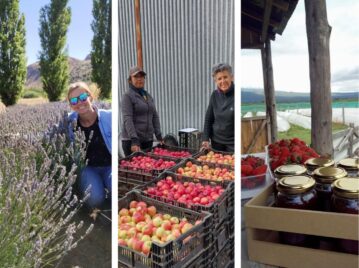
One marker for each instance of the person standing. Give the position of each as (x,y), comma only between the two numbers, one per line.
(218,131)
(140,118)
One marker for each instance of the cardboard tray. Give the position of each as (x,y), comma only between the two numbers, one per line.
(264,221)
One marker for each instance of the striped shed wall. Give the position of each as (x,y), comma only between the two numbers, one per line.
(181,41)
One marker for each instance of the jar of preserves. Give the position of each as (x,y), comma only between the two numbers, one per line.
(345,199)
(289,170)
(324,178)
(351,166)
(296,192)
(313,163)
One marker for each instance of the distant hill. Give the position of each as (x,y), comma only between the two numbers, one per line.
(79,70)
(256,95)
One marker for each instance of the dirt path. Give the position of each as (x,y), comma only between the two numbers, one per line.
(95,250)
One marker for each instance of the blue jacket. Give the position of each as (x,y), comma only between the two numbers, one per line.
(104,122)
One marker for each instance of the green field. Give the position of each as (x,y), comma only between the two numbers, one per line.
(304,134)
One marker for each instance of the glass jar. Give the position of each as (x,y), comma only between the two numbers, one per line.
(324,178)
(314,163)
(345,199)
(351,166)
(296,192)
(289,170)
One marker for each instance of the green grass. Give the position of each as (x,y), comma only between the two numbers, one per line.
(305,134)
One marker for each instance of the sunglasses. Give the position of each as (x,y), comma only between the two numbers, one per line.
(82,97)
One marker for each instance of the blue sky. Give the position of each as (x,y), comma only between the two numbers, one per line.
(290,52)
(79,34)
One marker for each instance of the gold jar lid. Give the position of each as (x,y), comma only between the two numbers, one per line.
(319,162)
(349,163)
(329,174)
(290,169)
(346,187)
(295,184)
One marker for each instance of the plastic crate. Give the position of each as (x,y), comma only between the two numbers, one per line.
(206,151)
(139,175)
(175,149)
(191,139)
(174,253)
(202,260)
(225,258)
(126,185)
(218,208)
(196,162)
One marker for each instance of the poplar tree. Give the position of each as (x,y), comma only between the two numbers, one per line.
(101,46)
(12,52)
(54,21)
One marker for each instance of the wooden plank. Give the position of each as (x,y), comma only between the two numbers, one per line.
(255,138)
(340,134)
(258,16)
(318,35)
(138,34)
(281,4)
(248,130)
(266,19)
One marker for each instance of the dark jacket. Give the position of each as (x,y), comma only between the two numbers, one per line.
(219,120)
(140,117)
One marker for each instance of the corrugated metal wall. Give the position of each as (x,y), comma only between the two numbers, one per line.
(181,40)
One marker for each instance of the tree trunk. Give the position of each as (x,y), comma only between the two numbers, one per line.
(269,90)
(318,34)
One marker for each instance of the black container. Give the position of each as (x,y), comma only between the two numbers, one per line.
(177,253)
(219,208)
(192,152)
(206,151)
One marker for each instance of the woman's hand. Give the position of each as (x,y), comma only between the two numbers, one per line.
(135,148)
(205,145)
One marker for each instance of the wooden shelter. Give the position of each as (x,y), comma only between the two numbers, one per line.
(261,21)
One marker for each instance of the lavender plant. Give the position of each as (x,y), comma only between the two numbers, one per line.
(38,168)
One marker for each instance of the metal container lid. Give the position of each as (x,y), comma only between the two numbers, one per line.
(349,163)
(295,184)
(329,174)
(319,162)
(346,187)
(290,169)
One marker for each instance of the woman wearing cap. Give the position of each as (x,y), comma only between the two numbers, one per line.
(140,117)
(218,129)
(96,123)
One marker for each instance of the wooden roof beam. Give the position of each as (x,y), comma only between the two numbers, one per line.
(266,18)
(258,16)
(281,4)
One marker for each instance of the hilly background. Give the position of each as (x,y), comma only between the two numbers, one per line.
(80,70)
(256,95)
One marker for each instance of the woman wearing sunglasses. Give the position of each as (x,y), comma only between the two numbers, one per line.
(140,117)
(95,123)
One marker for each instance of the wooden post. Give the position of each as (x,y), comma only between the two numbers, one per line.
(343,112)
(138,34)
(269,89)
(351,141)
(318,34)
